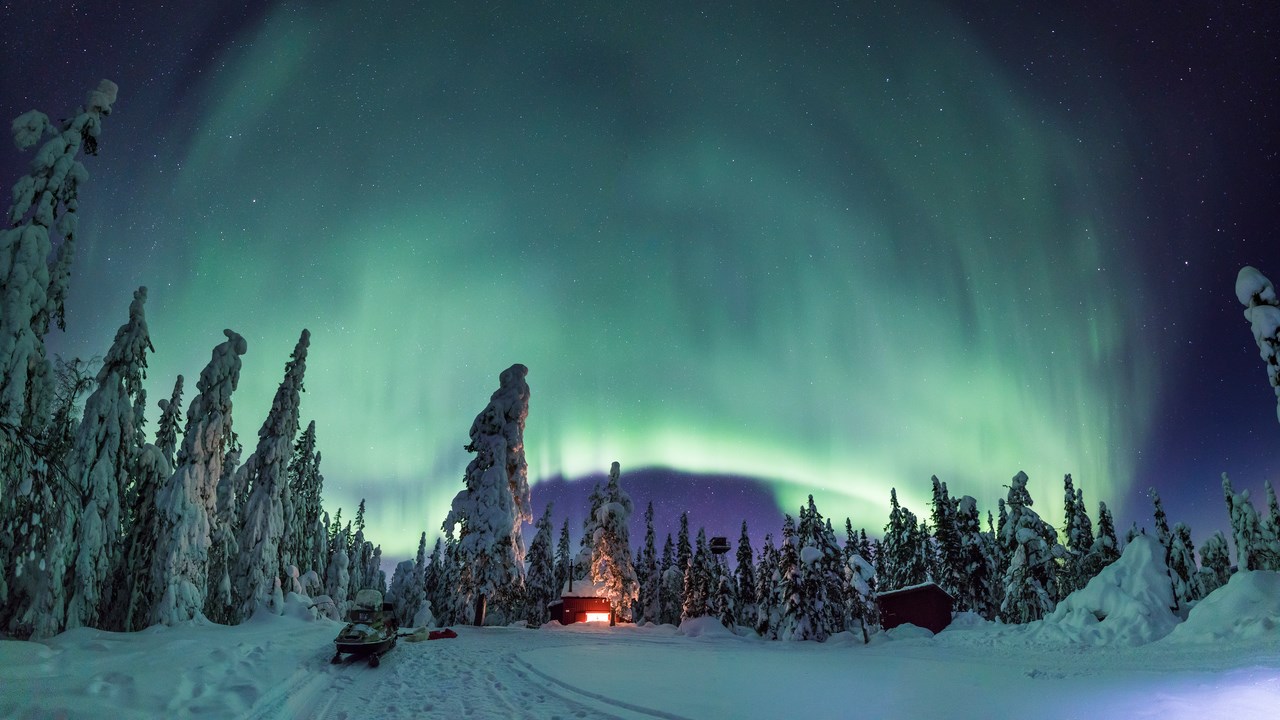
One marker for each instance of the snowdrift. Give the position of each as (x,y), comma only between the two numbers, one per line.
(1246,608)
(1128,603)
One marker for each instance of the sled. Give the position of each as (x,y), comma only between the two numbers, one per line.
(371,629)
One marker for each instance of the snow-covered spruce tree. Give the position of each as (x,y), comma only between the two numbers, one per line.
(167,428)
(133,589)
(305,485)
(358,554)
(337,576)
(105,450)
(903,552)
(45,201)
(669,598)
(258,567)
(1215,564)
(1079,545)
(1262,310)
(947,539)
(436,584)
(1182,566)
(37,515)
(1254,550)
(1031,544)
(650,572)
(745,580)
(1069,573)
(495,502)
(797,614)
(219,602)
(186,502)
(540,578)
(401,580)
(564,558)
(1164,535)
(975,592)
(611,564)
(1105,549)
(698,574)
(766,580)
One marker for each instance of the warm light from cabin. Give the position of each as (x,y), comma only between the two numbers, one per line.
(597,617)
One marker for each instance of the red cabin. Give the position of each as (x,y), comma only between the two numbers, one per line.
(580,602)
(926,605)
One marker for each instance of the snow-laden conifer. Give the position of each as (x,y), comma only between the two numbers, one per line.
(167,427)
(699,580)
(186,502)
(902,561)
(258,565)
(134,594)
(305,483)
(671,591)
(102,458)
(1182,566)
(650,573)
(219,601)
(495,501)
(947,539)
(1215,564)
(337,577)
(611,564)
(44,205)
(1262,310)
(1031,544)
(1105,549)
(564,557)
(745,580)
(976,591)
(540,580)
(766,598)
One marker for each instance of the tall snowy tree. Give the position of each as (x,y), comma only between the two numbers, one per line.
(495,501)
(1031,544)
(950,565)
(611,565)
(671,592)
(564,558)
(766,581)
(1215,564)
(106,447)
(305,485)
(650,573)
(45,204)
(903,551)
(1105,549)
(338,576)
(1182,566)
(258,567)
(1254,550)
(134,592)
(167,428)
(179,572)
(37,510)
(745,580)
(976,591)
(219,602)
(699,580)
(540,579)
(1262,310)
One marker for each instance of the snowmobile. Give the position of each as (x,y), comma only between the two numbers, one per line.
(371,629)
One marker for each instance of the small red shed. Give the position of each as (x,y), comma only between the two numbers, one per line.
(580,602)
(925,605)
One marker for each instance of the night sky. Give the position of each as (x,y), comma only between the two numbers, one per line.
(756,252)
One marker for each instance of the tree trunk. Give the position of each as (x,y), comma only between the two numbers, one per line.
(481,602)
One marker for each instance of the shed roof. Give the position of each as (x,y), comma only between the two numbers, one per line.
(911,589)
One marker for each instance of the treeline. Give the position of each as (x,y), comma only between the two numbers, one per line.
(98,526)
(1012,566)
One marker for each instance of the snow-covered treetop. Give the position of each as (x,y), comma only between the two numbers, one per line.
(1253,288)
(128,354)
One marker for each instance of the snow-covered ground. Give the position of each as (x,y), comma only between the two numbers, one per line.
(1222,662)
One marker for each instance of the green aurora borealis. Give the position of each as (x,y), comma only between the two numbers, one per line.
(837,265)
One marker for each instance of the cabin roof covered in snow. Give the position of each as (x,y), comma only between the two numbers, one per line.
(583,588)
(914,589)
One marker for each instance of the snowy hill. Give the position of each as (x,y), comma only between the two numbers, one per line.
(278,667)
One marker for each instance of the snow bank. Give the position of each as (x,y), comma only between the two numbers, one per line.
(705,626)
(1247,607)
(1128,603)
